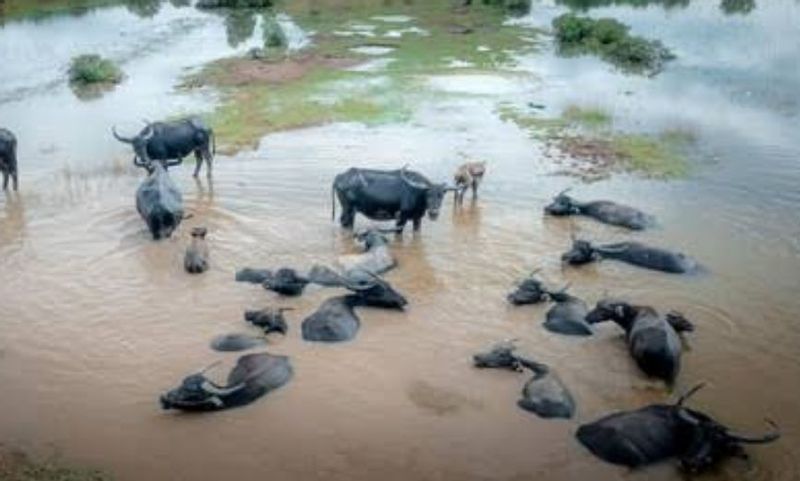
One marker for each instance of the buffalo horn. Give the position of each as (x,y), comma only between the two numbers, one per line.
(127,140)
(767,438)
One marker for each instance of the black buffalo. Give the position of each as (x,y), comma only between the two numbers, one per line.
(602,210)
(568,315)
(8,158)
(236,342)
(254,376)
(636,253)
(399,195)
(653,340)
(159,202)
(269,319)
(662,431)
(165,141)
(530,291)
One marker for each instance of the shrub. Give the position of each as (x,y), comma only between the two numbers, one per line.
(93,69)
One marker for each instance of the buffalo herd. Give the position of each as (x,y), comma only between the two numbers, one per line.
(634,438)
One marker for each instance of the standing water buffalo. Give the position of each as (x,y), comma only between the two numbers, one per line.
(468,175)
(253,376)
(399,195)
(159,202)
(602,210)
(653,341)
(638,254)
(164,141)
(8,157)
(661,431)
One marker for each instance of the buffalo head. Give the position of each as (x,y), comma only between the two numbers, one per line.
(197,393)
(434,193)
(582,252)
(377,293)
(562,205)
(611,310)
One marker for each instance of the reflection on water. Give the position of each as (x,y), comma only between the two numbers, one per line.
(97,319)
(729,7)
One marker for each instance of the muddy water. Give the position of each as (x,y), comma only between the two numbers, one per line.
(97,319)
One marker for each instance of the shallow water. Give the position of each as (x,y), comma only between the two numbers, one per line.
(97,319)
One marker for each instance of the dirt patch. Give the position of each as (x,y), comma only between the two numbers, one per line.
(17,466)
(437,400)
(243,71)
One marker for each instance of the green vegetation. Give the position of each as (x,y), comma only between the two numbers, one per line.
(585,134)
(516,6)
(85,70)
(274,36)
(15,466)
(609,39)
(315,86)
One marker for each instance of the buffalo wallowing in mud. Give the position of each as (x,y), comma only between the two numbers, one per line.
(376,259)
(653,340)
(399,195)
(269,319)
(8,158)
(635,253)
(544,394)
(253,376)
(659,432)
(602,210)
(165,141)
(159,202)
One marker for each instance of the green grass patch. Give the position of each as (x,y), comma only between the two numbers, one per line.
(589,117)
(610,40)
(653,156)
(16,466)
(38,9)
(93,69)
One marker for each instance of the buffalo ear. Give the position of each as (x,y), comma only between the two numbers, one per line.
(619,311)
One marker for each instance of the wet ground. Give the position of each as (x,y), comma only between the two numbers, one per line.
(97,319)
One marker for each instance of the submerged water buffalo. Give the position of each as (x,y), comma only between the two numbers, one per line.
(165,141)
(195,261)
(653,341)
(469,174)
(529,291)
(253,276)
(334,321)
(159,202)
(602,210)
(286,282)
(638,254)
(662,431)
(376,260)
(8,158)
(568,316)
(399,195)
(269,319)
(254,376)
(544,394)
(236,342)
(370,289)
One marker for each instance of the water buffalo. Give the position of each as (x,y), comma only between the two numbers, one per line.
(159,202)
(195,260)
(286,282)
(254,376)
(653,341)
(529,291)
(661,431)
(165,141)
(371,292)
(376,260)
(236,342)
(8,157)
(253,276)
(469,174)
(635,253)
(544,394)
(399,195)
(269,319)
(602,210)
(334,321)
(568,315)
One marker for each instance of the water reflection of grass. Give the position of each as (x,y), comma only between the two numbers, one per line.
(428,43)
(586,135)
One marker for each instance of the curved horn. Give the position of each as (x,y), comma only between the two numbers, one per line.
(767,438)
(212,388)
(691,392)
(410,182)
(564,191)
(148,133)
(564,289)
(127,140)
(684,415)
(535,271)
(206,369)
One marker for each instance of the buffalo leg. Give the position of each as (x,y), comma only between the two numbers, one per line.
(209,160)
(417,223)
(401,223)
(5,180)
(199,158)
(474,189)
(14,179)
(348,217)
